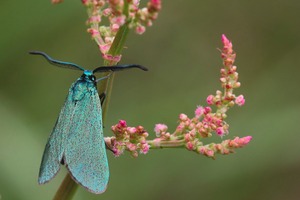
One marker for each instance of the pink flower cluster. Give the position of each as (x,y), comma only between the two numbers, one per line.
(224,147)
(190,132)
(118,13)
(132,139)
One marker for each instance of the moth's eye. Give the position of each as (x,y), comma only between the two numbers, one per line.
(92,78)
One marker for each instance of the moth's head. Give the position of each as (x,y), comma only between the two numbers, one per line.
(88,76)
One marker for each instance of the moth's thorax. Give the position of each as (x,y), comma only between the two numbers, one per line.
(85,84)
(88,76)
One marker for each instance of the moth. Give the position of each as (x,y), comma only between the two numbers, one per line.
(77,138)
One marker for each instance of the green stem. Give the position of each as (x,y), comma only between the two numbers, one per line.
(115,49)
(68,187)
(159,144)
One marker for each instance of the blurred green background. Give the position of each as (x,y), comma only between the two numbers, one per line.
(181,52)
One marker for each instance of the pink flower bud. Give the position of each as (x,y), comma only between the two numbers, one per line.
(240,100)
(210,99)
(183,117)
(227,44)
(111,58)
(131,147)
(199,111)
(120,20)
(190,146)
(207,110)
(180,128)
(220,131)
(245,140)
(239,142)
(140,29)
(104,48)
(159,128)
(95,19)
(131,130)
(122,123)
(93,32)
(106,11)
(115,28)
(145,148)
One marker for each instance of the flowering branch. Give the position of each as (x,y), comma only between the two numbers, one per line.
(190,131)
(121,15)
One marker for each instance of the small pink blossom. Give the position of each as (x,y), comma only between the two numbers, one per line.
(106,11)
(120,20)
(123,123)
(239,142)
(207,110)
(206,151)
(118,148)
(104,48)
(95,19)
(243,141)
(140,29)
(188,137)
(183,117)
(115,28)
(180,128)
(220,131)
(144,148)
(237,85)
(131,130)
(199,111)
(227,44)
(111,58)
(190,146)
(240,100)
(246,139)
(131,147)
(210,153)
(159,128)
(93,32)
(210,99)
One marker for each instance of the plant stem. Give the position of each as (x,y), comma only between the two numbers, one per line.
(67,189)
(159,144)
(115,49)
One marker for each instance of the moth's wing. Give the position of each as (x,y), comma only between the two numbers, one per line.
(85,150)
(53,153)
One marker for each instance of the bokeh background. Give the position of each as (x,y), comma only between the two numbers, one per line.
(181,52)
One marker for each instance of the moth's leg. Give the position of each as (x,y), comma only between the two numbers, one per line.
(102,98)
(107,147)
